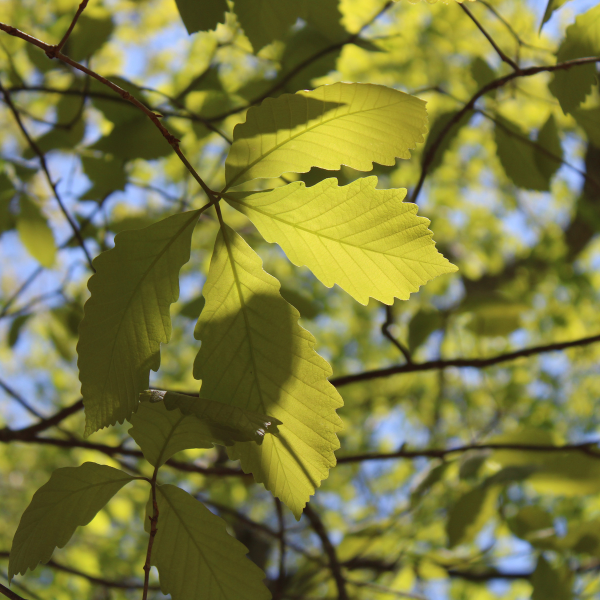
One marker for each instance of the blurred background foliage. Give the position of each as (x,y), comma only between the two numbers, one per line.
(513,194)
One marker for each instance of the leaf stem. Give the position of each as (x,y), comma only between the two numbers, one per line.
(153,530)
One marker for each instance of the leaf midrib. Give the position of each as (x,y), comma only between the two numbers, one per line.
(293,137)
(318,234)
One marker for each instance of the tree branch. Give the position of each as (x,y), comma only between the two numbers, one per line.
(36,149)
(493,85)
(334,565)
(153,530)
(389,320)
(9,593)
(586,448)
(461,363)
(280,583)
(489,38)
(62,42)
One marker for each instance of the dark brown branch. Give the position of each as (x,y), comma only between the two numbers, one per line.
(334,564)
(9,593)
(586,448)
(493,85)
(36,149)
(44,424)
(15,396)
(52,52)
(62,42)
(389,320)
(490,39)
(280,583)
(461,363)
(109,583)
(153,530)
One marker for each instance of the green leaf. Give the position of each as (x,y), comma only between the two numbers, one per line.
(436,129)
(7,191)
(421,326)
(366,240)
(223,423)
(548,140)
(550,8)
(325,17)
(107,175)
(483,74)
(517,155)
(550,582)
(71,498)
(255,356)
(470,513)
(35,233)
(15,329)
(352,124)
(111,104)
(533,524)
(161,433)
(203,16)
(89,35)
(433,476)
(307,307)
(138,138)
(127,317)
(589,120)
(193,308)
(571,86)
(59,138)
(266,20)
(195,556)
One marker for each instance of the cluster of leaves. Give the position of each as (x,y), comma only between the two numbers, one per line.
(265,392)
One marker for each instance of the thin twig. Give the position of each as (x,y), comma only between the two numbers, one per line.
(334,564)
(36,149)
(477,363)
(16,396)
(62,42)
(489,38)
(389,320)
(9,593)
(493,85)
(280,583)
(587,448)
(153,530)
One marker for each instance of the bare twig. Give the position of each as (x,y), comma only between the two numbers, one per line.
(587,448)
(16,396)
(153,530)
(334,564)
(493,85)
(389,320)
(280,584)
(36,149)
(461,363)
(9,593)
(62,42)
(489,38)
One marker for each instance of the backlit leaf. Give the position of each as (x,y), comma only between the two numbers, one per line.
(201,16)
(34,232)
(548,146)
(69,500)
(255,356)
(366,240)
(161,433)
(351,124)
(223,423)
(89,35)
(571,86)
(470,513)
(589,120)
(551,582)
(107,175)
(266,20)
(127,317)
(517,155)
(550,8)
(195,556)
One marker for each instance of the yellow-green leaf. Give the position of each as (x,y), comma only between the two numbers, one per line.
(195,556)
(255,356)
(127,317)
(571,86)
(353,124)
(366,240)
(70,499)
(34,232)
